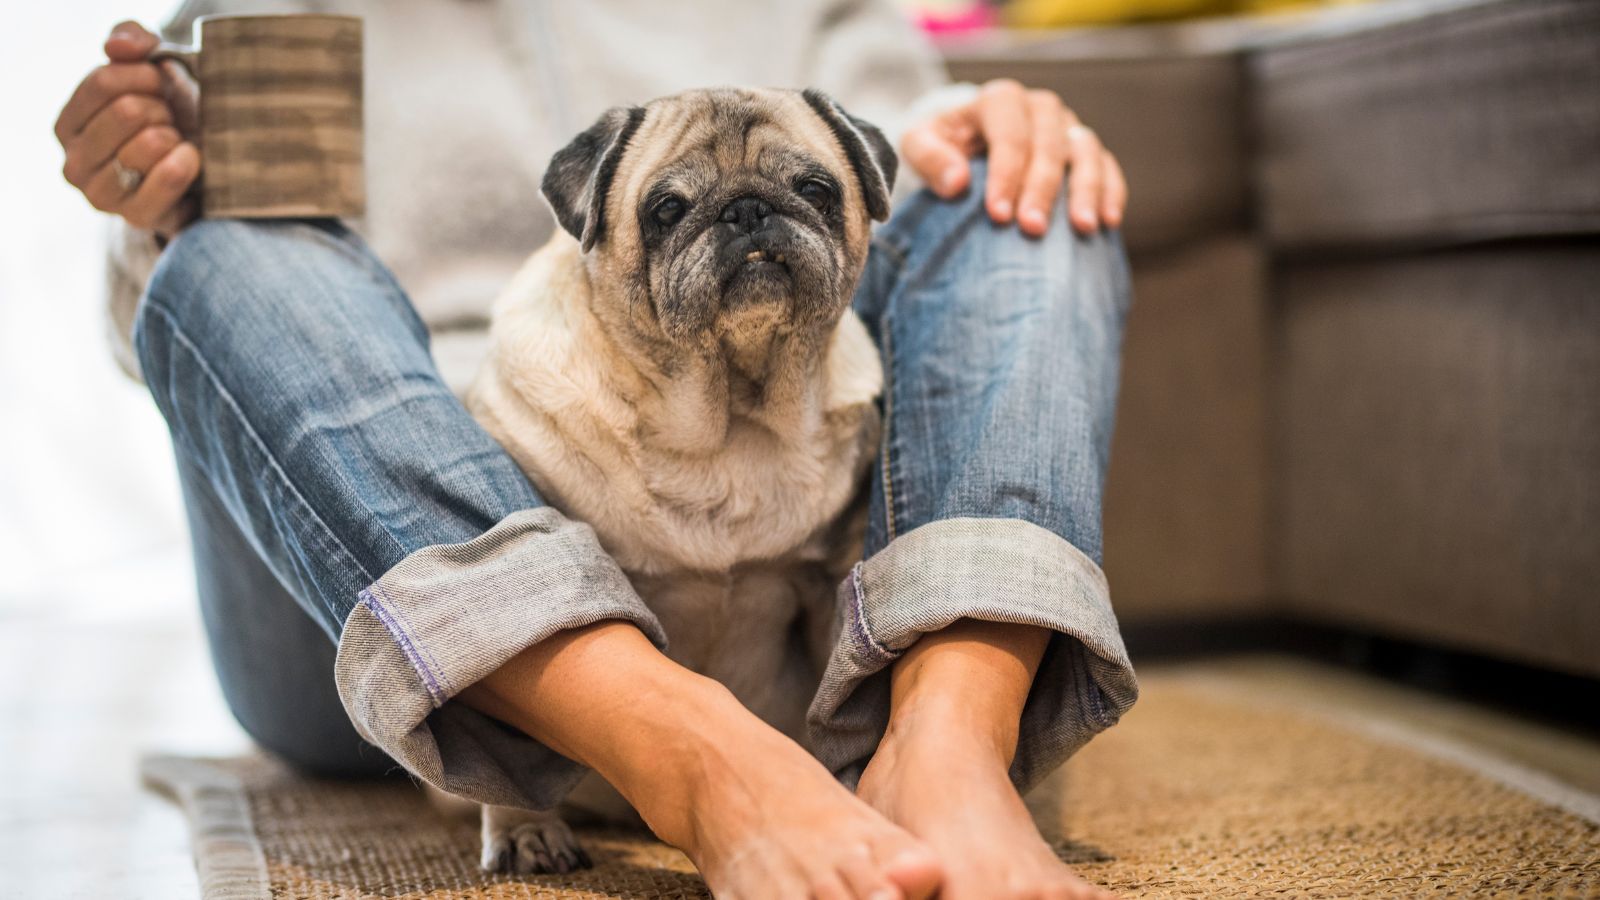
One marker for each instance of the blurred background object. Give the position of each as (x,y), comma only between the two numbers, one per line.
(101,652)
(957,16)
(1361,383)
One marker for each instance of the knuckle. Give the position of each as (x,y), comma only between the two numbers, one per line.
(1004,86)
(128,110)
(155,140)
(169,178)
(72,169)
(176,172)
(102,79)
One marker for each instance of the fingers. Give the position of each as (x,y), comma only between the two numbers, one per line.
(169,166)
(1086,179)
(119,116)
(1034,144)
(1114,200)
(939,160)
(116,124)
(1003,115)
(1046,162)
(130,42)
(166,179)
(101,87)
(104,190)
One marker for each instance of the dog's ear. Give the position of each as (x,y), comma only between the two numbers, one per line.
(866,148)
(579,176)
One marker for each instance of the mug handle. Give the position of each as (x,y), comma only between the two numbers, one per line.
(182,54)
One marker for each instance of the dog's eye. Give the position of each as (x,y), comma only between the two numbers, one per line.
(816,193)
(668,211)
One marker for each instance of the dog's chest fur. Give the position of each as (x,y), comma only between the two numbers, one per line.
(734,525)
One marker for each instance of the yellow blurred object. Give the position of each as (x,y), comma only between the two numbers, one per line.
(1064,13)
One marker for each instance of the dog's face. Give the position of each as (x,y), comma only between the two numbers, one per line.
(713,211)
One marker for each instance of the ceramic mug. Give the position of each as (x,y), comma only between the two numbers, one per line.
(280,130)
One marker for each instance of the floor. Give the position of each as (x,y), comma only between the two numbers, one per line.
(88,680)
(89,685)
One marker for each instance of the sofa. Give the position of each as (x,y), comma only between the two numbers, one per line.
(1361,379)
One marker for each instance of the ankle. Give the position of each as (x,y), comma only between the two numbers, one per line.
(679,758)
(946,728)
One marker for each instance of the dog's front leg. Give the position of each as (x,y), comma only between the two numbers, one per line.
(525,841)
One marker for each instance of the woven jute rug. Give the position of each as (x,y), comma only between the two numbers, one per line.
(1197,793)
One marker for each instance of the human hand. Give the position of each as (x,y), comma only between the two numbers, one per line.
(124,131)
(1034,142)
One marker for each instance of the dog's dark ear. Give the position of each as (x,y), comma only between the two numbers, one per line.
(579,176)
(866,148)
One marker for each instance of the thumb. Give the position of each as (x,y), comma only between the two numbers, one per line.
(130,42)
(937,159)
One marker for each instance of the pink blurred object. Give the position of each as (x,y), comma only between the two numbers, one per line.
(960,20)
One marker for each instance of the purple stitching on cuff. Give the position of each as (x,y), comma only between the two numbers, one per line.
(404,640)
(399,614)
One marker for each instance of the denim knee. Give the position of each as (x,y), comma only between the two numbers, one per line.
(227,272)
(929,233)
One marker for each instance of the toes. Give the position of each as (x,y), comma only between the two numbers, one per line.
(829,887)
(531,855)
(547,847)
(865,877)
(497,854)
(534,848)
(911,866)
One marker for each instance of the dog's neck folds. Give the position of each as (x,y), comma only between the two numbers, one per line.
(756,371)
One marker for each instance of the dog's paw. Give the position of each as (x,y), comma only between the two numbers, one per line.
(524,842)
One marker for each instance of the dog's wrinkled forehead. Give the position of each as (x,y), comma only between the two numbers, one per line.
(728,131)
(698,136)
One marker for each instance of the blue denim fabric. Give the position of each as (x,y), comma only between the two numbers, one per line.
(311,425)
(1001,357)
(274,662)
(295,379)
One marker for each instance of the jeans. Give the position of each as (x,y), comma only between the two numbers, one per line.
(336,485)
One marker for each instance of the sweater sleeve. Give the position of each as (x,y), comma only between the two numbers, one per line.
(870,58)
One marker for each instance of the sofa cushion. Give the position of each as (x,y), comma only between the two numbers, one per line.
(1439,447)
(1186,500)
(1173,121)
(1474,123)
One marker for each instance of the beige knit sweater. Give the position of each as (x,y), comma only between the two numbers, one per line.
(466,100)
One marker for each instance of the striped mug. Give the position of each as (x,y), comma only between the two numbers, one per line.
(280,128)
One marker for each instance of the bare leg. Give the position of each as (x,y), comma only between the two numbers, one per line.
(757,814)
(956,702)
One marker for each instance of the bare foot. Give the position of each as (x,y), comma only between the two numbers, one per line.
(950,787)
(757,814)
(761,818)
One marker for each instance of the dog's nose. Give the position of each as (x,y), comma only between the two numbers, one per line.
(747,212)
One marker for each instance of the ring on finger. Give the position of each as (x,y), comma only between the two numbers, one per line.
(128,178)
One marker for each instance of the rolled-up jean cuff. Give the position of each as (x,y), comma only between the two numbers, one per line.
(448,615)
(1000,570)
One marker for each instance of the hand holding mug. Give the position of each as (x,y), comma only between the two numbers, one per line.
(272,102)
(128,132)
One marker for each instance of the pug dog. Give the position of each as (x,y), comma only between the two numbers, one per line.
(680,368)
